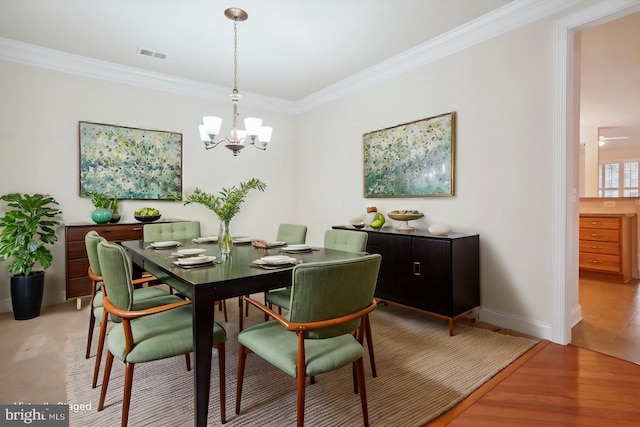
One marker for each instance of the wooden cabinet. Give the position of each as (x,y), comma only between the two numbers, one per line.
(606,243)
(78,283)
(436,274)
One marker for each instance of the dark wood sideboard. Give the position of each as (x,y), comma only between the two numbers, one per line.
(77,282)
(438,275)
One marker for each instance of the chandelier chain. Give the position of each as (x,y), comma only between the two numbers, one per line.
(235,55)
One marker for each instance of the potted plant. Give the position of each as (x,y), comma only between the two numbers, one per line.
(26,230)
(225,206)
(102,204)
(113,207)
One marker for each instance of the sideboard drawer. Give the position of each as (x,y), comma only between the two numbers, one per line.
(608,248)
(600,235)
(600,262)
(600,222)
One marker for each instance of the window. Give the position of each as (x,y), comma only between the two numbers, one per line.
(619,179)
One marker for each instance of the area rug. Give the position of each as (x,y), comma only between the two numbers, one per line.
(422,373)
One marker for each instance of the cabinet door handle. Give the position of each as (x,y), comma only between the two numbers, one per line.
(416,268)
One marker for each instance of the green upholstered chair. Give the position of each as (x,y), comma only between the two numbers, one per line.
(170,231)
(158,232)
(147,334)
(341,240)
(142,298)
(291,234)
(329,300)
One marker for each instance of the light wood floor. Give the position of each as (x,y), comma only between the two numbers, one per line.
(595,381)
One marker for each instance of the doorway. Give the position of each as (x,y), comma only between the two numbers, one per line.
(610,320)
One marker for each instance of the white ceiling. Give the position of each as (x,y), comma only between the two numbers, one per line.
(288,49)
(292,50)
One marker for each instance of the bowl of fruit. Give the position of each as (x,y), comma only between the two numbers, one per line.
(147,214)
(404,216)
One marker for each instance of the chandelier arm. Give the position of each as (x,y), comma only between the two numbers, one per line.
(208,145)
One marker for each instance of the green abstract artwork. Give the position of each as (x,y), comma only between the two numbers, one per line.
(412,159)
(130,163)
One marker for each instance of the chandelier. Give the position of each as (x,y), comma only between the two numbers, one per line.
(254,133)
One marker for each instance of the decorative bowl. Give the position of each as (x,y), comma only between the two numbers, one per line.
(404,218)
(149,218)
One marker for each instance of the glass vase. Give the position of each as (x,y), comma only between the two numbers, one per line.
(225,242)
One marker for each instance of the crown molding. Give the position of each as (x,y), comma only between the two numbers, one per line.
(509,17)
(504,19)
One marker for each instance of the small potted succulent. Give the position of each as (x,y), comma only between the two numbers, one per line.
(26,230)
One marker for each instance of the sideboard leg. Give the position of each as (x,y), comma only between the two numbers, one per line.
(78,303)
(450,326)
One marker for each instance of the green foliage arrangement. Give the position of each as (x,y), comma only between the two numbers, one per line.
(26,230)
(100,200)
(227,204)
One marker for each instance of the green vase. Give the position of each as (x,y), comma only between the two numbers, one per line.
(225,242)
(101,215)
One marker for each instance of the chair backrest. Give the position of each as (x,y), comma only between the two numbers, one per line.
(91,240)
(293,234)
(346,240)
(116,274)
(170,231)
(331,289)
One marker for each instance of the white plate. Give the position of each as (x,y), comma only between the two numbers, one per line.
(191,251)
(242,240)
(275,258)
(195,260)
(167,244)
(300,247)
(205,239)
(281,260)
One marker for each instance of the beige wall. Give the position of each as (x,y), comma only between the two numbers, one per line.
(39,114)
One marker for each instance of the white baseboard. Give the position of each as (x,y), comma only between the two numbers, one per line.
(509,321)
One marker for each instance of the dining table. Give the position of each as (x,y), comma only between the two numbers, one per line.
(235,274)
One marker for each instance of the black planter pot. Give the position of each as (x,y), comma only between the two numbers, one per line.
(26,295)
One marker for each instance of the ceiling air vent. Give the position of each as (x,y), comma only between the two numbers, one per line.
(151,53)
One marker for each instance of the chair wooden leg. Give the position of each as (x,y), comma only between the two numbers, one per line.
(188,360)
(242,356)
(101,338)
(105,381)
(222,306)
(126,398)
(223,383)
(246,310)
(363,392)
(92,325)
(367,331)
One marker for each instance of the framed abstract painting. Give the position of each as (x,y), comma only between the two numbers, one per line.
(130,163)
(413,159)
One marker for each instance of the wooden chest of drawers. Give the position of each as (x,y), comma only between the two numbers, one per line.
(606,246)
(77,282)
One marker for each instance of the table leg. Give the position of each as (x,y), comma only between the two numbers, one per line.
(203,304)
(240,310)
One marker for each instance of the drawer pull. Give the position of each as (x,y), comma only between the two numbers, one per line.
(593,261)
(596,235)
(595,222)
(416,268)
(596,247)
(107,230)
(137,228)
